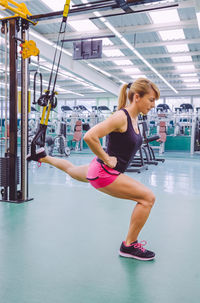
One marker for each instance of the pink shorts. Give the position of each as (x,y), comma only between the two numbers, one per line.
(100,175)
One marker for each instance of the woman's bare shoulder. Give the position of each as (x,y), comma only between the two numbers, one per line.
(120,114)
(120,119)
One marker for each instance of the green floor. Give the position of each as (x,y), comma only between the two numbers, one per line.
(62,247)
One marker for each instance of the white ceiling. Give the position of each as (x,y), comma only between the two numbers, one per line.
(161,43)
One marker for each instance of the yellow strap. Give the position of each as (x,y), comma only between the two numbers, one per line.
(43,115)
(66,8)
(47,116)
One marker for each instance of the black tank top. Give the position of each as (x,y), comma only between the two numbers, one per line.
(124,145)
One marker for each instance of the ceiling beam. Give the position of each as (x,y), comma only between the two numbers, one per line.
(158,65)
(156,44)
(127,30)
(152,56)
(77,68)
(88,15)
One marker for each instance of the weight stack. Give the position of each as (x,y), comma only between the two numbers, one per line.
(5,171)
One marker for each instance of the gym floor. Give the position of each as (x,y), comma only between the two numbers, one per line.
(63,246)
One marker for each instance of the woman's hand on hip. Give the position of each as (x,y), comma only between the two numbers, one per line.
(111,162)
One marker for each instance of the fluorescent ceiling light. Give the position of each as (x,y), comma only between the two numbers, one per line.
(97,89)
(47,64)
(185,67)
(122,62)
(83,25)
(100,70)
(35,59)
(158,2)
(177,48)
(56,5)
(174,34)
(113,53)
(193,85)
(61,89)
(188,75)
(129,45)
(190,80)
(106,42)
(45,68)
(97,14)
(74,78)
(138,76)
(198,19)
(182,59)
(166,16)
(132,70)
(112,29)
(108,24)
(40,37)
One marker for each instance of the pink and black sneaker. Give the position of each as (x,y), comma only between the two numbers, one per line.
(136,251)
(40,153)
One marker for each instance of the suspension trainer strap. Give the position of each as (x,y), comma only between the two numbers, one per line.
(48,100)
(36,75)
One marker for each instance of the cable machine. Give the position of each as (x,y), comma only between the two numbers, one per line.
(13,165)
(14,175)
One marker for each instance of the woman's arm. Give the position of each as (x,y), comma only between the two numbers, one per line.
(114,123)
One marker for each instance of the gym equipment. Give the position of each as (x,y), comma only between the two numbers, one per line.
(137,164)
(77,137)
(186,107)
(104,110)
(15,171)
(163,136)
(20,10)
(58,144)
(145,155)
(162,108)
(49,100)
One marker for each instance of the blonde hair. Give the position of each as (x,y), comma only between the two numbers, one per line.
(141,86)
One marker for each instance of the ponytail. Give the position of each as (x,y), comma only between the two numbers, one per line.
(122,101)
(141,86)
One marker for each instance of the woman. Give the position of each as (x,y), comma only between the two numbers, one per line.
(106,171)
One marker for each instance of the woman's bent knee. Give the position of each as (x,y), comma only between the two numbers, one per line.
(148,200)
(151,198)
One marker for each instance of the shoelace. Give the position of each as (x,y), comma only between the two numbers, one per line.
(39,163)
(140,245)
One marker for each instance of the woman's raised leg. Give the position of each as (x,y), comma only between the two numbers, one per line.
(76,172)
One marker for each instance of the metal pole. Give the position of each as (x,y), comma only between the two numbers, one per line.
(192,139)
(24,121)
(5,195)
(13,110)
(6,91)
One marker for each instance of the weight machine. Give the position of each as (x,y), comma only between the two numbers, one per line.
(14,175)
(14,172)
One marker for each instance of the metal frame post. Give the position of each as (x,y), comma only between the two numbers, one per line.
(13,110)
(24,118)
